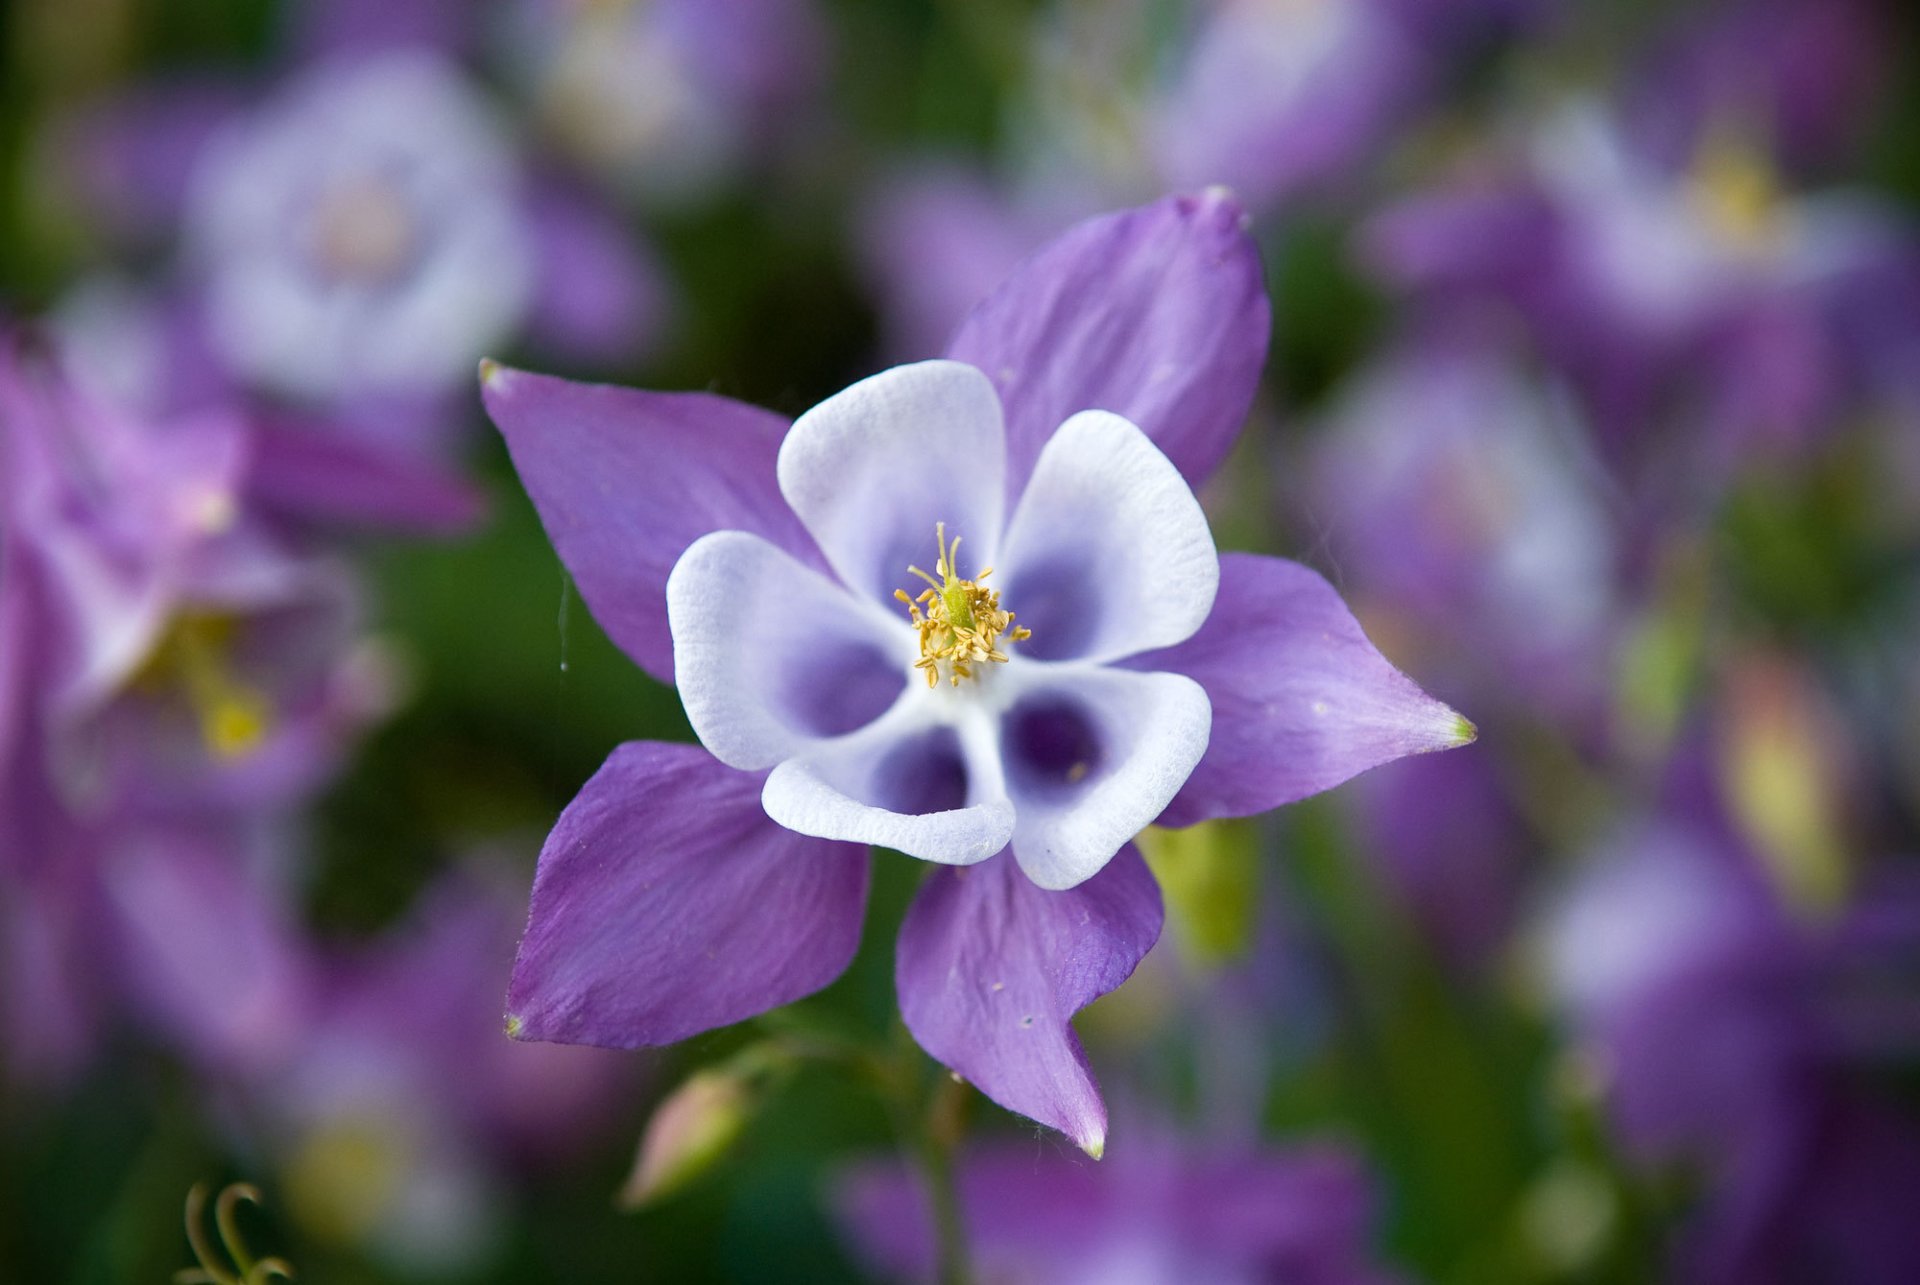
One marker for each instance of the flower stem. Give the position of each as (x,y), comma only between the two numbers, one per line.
(940,1134)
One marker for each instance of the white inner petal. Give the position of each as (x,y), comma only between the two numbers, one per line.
(873,469)
(1091,757)
(915,781)
(1108,553)
(770,656)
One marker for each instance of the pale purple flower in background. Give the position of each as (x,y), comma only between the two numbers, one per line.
(755,566)
(1280,101)
(1457,489)
(399,1122)
(1734,1033)
(1163,1212)
(349,243)
(362,232)
(185,657)
(1274,96)
(1695,287)
(666,100)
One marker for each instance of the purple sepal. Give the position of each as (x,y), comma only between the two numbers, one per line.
(625,480)
(311,475)
(1158,314)
(1301,700)
(991,968)
(666,904)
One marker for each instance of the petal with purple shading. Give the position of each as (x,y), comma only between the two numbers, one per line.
(1108,553)
(1092,756)
(1158,314)
(991,968)
(770,655)
(908,782)
(626,480)
(874,470)
(1301,700)
(666,903)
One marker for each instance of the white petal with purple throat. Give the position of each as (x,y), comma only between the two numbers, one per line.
(770,655)
(927,788)
(872,470)
(1108,553)
(1092,755)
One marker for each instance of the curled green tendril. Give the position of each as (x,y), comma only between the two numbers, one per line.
(244,1270)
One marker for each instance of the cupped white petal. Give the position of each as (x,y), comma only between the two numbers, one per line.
(873,469)
(1108,552)
(928,788)
(1091,756)
(771,656)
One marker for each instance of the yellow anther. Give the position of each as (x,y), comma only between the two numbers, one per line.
(194,658)
(959,621)
(1738,191)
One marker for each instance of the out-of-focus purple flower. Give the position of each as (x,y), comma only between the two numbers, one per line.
(170,675)
(1161,1213)
(351,244)
(1694,288)
(186,657)
(1277,101)
(1728,1032)
(1275,95)
(667,99)
(361,232)
(1457,490)
(398,1119)
(1451,847)
(756,566)
(1806,73)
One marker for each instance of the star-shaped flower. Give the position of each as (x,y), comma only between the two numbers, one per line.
(1078,663)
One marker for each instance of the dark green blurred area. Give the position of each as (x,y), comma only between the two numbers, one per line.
(1451,1087)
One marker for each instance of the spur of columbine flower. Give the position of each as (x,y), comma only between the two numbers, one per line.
(1122,673)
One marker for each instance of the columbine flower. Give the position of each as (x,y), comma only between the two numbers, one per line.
(756,566)
(1737,1038)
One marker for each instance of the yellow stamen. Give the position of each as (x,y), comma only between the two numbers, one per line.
(1738,191)
(960,622)
(194,658)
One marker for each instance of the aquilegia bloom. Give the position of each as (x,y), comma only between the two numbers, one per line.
(1015,728)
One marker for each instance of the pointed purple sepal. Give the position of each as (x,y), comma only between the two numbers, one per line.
(666,904)
(1158,314)
(625,480)
(1301,700)
(991,968)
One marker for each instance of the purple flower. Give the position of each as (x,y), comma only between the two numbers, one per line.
(350,244)
(1698,290)
(667,99)
(1733,1033)
(1459,492)
(756,565)
(1275,97)
(398,1117)
(1163,1213)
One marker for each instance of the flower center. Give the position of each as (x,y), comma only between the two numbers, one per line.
(1738,193)
(959,621)
(364,231)
(194,657)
